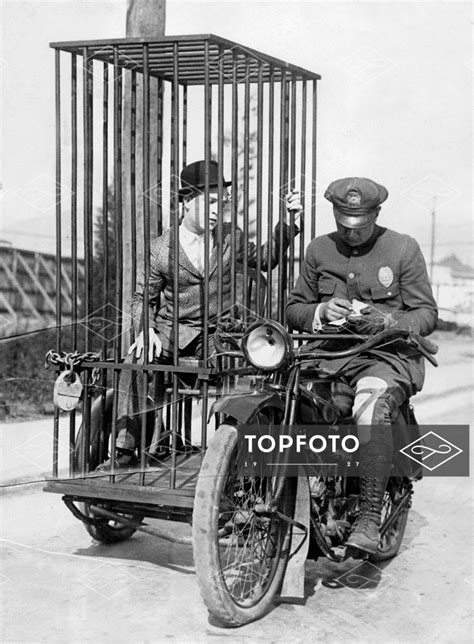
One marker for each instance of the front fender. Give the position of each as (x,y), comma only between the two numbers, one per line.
(243,407)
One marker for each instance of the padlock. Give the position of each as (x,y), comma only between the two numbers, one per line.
(67,391)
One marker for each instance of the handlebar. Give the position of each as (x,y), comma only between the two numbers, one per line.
(424,346)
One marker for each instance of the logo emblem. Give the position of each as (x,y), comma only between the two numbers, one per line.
(431,451)
(365,577)
(385,276)
(353,198)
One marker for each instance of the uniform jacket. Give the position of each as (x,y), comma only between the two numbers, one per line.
(388,271)
(191,283)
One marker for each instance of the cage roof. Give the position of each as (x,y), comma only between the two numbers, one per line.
(234,61)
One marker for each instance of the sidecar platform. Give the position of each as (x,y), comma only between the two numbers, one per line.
(149,487)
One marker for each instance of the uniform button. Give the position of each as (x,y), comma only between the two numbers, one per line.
(351,276)
(389,293)
(355,251)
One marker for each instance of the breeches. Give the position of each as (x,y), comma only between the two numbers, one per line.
(379,390)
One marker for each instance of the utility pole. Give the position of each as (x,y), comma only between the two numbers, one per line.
(145,19)
(433,229)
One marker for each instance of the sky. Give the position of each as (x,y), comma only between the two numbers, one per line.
(395,99)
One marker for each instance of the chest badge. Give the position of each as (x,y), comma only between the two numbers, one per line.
(385,276)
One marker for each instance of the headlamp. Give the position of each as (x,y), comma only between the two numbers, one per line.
(267,346)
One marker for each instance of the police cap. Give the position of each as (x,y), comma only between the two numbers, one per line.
(355,200)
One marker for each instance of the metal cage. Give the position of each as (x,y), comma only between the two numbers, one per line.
(130,114)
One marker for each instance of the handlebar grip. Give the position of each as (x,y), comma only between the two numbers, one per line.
(428,345)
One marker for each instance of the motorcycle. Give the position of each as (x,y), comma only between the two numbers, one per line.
(253,532)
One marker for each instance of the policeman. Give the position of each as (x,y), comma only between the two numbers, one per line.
(386,271)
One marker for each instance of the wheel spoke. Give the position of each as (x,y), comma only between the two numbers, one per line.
(251,543)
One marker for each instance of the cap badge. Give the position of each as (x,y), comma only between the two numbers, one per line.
(353,198)
(385,276)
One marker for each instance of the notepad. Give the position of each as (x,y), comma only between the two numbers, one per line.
(357,308)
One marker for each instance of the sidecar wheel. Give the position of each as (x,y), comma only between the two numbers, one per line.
(240,554)
(109,531)
(390,542)
(100,430)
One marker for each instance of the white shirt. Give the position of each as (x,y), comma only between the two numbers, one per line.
(317,324)
(193,246)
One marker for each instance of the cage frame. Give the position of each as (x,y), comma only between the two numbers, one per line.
(144,59)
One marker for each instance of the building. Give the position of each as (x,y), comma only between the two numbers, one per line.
(453,288)
(28,288)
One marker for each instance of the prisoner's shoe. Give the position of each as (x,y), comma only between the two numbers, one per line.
(365,535)
(122,461)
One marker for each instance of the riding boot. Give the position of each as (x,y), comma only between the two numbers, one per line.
(376,462)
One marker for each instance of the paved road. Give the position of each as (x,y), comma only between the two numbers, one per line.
(59,585)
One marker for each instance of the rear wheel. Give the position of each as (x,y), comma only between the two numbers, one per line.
(396,505)
(241,539)
(101,420)
(100,428)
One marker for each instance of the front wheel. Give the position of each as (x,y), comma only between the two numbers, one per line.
(241,539)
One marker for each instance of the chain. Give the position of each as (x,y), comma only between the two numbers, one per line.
(69,360)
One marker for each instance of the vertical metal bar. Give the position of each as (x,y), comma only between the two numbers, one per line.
(58,199)
(133,176)
(58,241)
(87,144)
(301,223)
(234,173)
(175,219)
(258,284)
(220,179)
(87,91)
(313,161)
(246,186)
(185,126)
(207,158)
(146,246)
(105,236)
(74,198)
(159,155)
(105,189)
(174,169)
(118,200)
(74,281)
(117,143)
(283,180)
(271,131)
(291,183)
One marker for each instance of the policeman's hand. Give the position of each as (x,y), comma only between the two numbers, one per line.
(293,203)
(334,309)
(380,316)
(154,345)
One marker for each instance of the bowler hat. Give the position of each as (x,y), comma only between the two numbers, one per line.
(193,178)
(355,200)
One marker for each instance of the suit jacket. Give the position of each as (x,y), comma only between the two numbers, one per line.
(388,271)
(191,283)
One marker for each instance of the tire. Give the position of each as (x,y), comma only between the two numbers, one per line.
(240,556)
(101,428)
(106,531)
(390,542)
